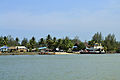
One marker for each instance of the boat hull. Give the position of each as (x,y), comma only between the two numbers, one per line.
(92,52)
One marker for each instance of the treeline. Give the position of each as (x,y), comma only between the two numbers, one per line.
(109,42)
(50,42)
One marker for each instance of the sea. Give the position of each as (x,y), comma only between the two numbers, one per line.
(60,67)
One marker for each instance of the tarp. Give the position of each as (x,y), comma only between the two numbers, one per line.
(42,48)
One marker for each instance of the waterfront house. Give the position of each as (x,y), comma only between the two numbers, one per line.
(98,46)
(12,49)
(21,48)
(4,49)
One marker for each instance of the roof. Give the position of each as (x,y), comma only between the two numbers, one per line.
(74,46)
(4,47)
(12,47)
(21,47)
(42,48)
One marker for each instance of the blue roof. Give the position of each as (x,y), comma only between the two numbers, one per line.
(4,47)
(42,48)
(74,46)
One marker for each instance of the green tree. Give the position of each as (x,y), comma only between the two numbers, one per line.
(24,42)
(97,37)
(59,43)
(49,42)
(91,43)
(49,37)
(54,43)
(80,46)
(66,44)
(110,42)
(5,40)
(11,41)
(42,42)
(17,41)
(1,41)
(32,43)
(54,39)
(76,40)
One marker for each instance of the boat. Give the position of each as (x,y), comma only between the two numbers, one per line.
(46,53)
(97,49)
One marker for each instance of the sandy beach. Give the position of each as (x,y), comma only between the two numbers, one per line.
(62,53)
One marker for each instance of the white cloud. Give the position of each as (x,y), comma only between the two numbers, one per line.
(76,20)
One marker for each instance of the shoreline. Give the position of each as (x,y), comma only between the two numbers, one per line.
(48,53)
(37,53)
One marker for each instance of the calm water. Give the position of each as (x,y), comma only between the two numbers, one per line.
(60,67)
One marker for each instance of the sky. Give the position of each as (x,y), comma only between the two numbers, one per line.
(59,18)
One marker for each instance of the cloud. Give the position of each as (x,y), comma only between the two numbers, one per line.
(76,20)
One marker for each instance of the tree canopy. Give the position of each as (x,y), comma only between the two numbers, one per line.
(109,42)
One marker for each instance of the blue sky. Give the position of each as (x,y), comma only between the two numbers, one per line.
(60,18)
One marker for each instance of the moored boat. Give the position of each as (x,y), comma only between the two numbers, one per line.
(97,49)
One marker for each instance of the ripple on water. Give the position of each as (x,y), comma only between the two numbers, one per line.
(60,67)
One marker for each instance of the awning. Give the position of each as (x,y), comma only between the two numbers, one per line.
(42,48)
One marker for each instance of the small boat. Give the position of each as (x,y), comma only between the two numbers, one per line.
(46,53)
(94,51)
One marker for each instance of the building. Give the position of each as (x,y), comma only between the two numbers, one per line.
(12,49)
(4,49)
(98,46)
(21,48)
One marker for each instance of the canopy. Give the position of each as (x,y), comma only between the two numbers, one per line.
(42,48)
(4,47)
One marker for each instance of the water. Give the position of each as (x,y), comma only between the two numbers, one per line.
(60,67)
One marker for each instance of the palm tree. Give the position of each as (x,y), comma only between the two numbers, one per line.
(42,42)
(32,42)
(5,40)
(17,41)
(24,42)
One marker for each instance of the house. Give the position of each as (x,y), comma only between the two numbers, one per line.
(4,49)
(98,46)
(21,48)
(12,49)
